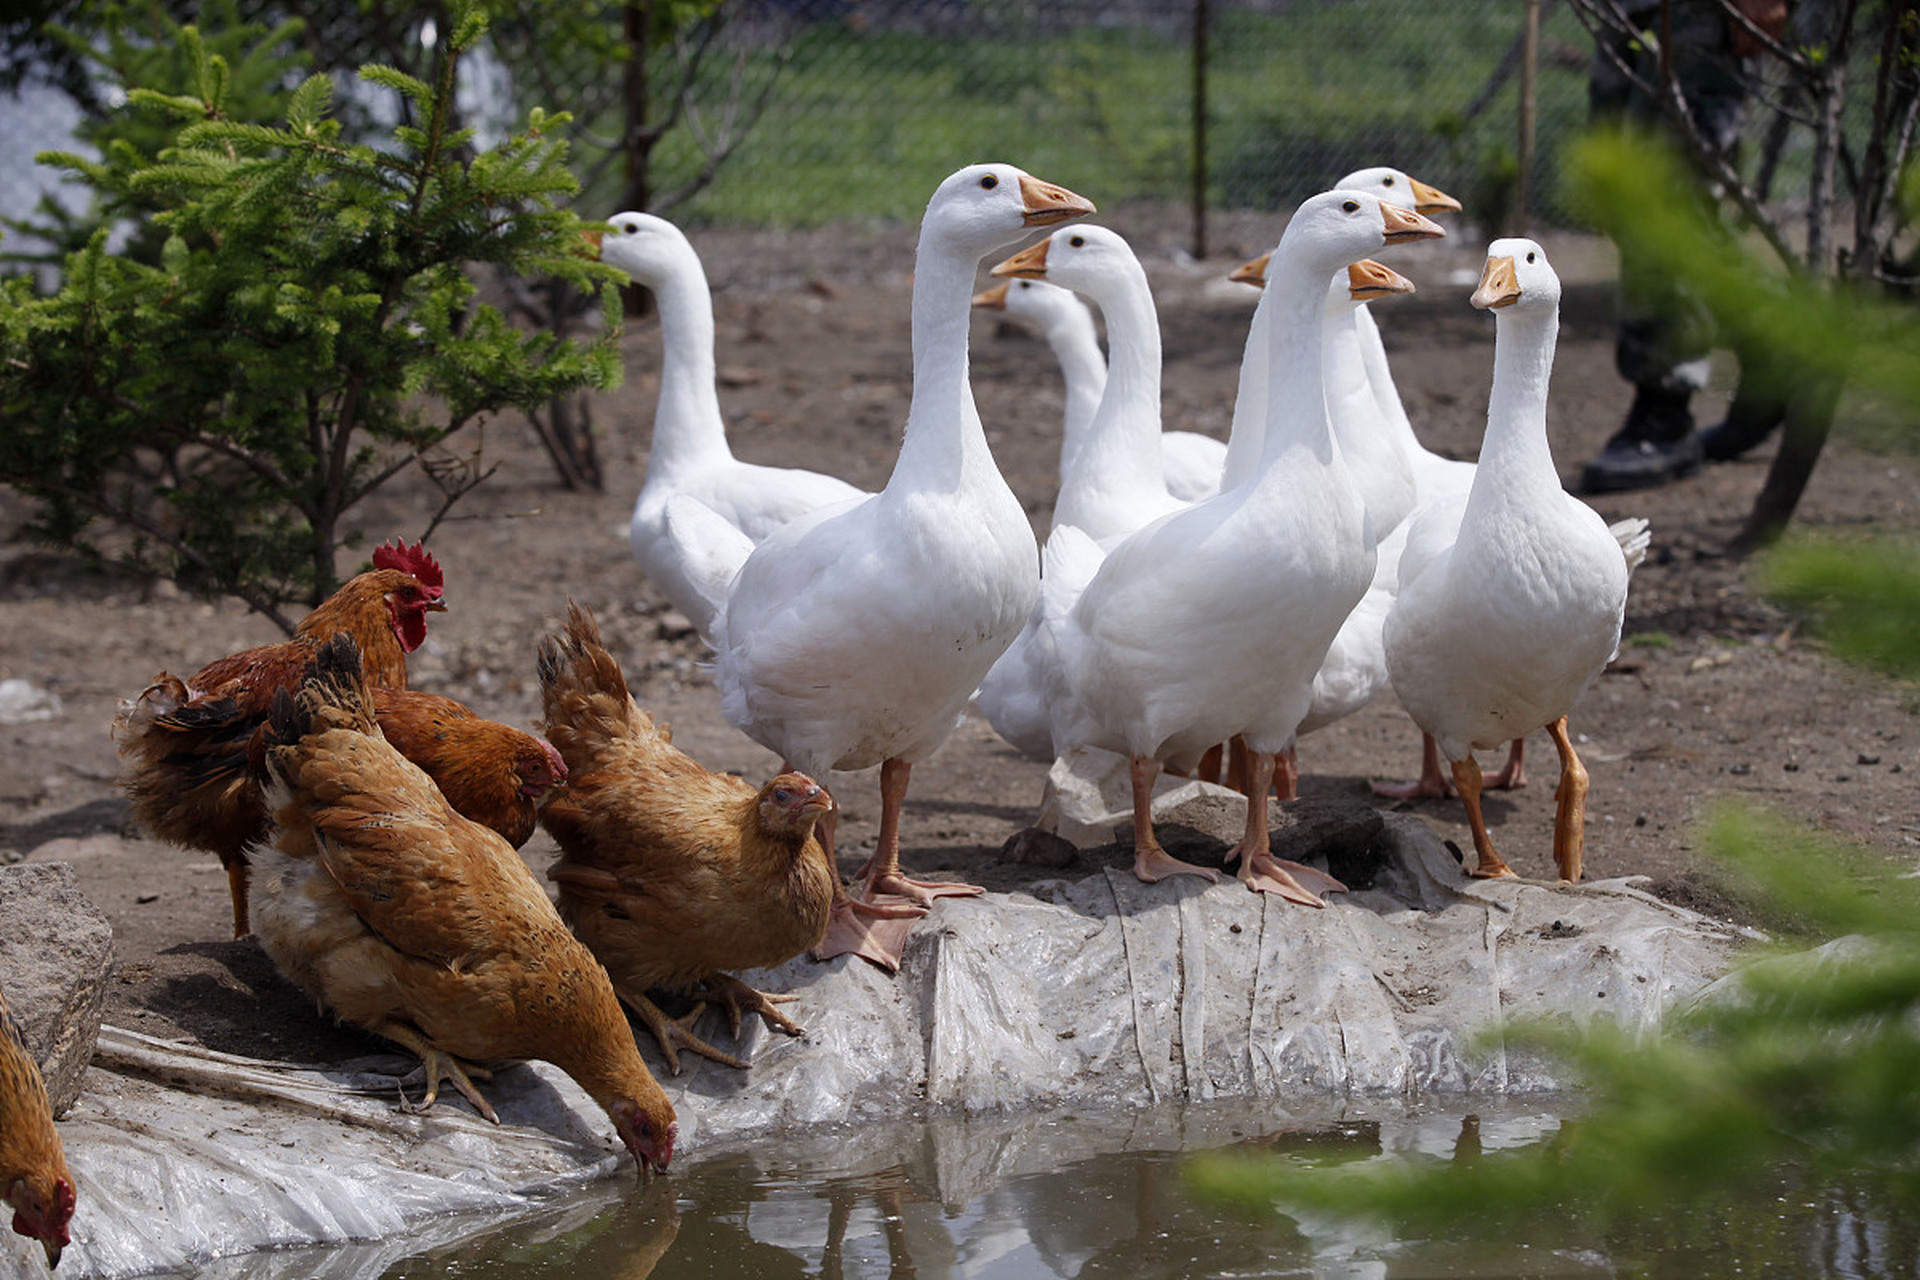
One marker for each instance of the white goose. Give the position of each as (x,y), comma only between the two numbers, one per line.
(854,636)
(1111,481)
(1189,460)
(1509,608)
(679,543)
(1059,316)
(1283,557)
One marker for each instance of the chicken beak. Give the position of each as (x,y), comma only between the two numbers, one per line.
(1367,279)
(1499,286)
(994,299)
(1428,199)
(1030,263)
(1253,272)
(1044,205)
(1405,224)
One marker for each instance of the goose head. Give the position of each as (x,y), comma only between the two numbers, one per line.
(1082,258)
(1338,228)
(983,206)
(1517,274)
(647,248)
(1034,302)
(1395,187)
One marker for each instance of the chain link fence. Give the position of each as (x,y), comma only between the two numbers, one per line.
(870,103)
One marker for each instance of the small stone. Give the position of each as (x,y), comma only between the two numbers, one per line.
(1864,758)
(1741,770)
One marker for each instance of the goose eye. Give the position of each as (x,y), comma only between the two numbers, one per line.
(1351,206)
(989,182)
(1026,284)
(1077,241)
(1388,182)
(1529,257)
(631,228)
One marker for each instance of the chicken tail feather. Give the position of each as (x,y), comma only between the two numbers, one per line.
(583,693)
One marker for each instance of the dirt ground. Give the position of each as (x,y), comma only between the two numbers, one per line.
(1716,691)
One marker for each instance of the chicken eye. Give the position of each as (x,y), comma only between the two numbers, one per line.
(1351,206)
(781,795)
(989,182)
(1077,241)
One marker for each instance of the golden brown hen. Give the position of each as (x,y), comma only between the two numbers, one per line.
(491,772)
(669,872)
(33,1166)
(183,743)
(405,918)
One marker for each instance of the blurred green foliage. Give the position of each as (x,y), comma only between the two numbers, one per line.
(294,323)
(1798,1072)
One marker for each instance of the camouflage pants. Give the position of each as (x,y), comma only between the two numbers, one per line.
(1664,335)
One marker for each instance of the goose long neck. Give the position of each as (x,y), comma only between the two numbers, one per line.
(943,438)
(1122,449)
(687,427)
(1515,451)
(1381,470)
(1296,391)
(1077,347)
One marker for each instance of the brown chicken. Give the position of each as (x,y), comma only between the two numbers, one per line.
(669,872)
(34,1180)
(180,740)
(402,917)
(187,744)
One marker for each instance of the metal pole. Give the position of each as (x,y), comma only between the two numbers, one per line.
(1529,106)
(1200,25)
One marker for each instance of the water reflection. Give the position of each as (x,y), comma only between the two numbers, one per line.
(1085,1197)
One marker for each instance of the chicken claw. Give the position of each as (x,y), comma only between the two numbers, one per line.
(736,998)
(672,1032)
(437,1065)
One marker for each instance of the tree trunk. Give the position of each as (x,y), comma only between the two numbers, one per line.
(1809,420)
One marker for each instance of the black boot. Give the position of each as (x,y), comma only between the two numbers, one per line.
(1656,444)
(1750,419)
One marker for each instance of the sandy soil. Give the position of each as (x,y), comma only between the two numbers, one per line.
(1716,691)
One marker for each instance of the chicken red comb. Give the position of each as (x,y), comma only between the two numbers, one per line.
(415,559)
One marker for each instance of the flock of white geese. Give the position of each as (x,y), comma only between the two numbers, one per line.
(1317,558)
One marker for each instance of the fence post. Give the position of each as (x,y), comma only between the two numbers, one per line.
(1529,105)
(1200,128)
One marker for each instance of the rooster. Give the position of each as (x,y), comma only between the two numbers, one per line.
(402,917)
(186,744)
(33,1167)
(671,873)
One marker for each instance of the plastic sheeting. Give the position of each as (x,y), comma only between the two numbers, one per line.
(1100,992)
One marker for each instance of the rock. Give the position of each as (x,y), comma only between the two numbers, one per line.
(22,701)
(1036,848)
(56,949)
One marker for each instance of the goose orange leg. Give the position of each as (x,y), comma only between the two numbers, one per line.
(1431,784)
(1570,806)
(1513,774)
(1151,863)
(882,872)
(1466,780)
(1260,871)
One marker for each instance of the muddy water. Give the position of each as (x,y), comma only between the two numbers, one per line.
(1069,1195)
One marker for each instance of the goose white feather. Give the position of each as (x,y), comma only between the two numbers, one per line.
(854,637)
(1506,613)
(690,456)
(1259,578)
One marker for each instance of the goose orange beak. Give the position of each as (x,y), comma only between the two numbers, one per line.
(1030,262)
(1044,205)
(1499,286)
(1405,224)
(1253,272)
(1367,280)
